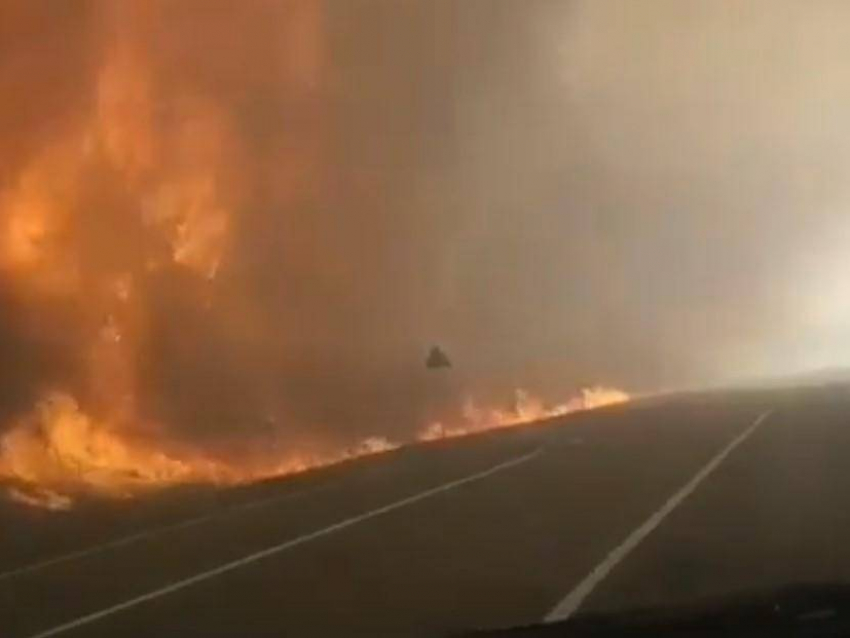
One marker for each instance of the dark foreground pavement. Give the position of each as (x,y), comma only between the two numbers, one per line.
(487,531)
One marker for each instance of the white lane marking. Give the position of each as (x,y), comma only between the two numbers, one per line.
(154,531)
(576,597)
(282,547)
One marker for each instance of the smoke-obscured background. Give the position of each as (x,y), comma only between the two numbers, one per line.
(642,194)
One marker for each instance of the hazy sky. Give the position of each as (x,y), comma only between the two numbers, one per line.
(661,194)
(642,194)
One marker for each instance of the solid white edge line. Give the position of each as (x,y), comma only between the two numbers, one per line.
(572,601)
(276,549)
(153,532)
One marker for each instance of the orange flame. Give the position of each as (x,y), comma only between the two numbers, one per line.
(59,451)
(527,409)
(60,446)
(168,161)
(41,497)
(168,168)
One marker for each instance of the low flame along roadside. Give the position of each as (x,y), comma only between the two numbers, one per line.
(59,453)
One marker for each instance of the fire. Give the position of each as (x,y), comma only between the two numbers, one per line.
(189,206)
(34,221)
(59,452)
(165,171)
(41,497)
(148,179)
(600,396)
(60,447)
(527,409)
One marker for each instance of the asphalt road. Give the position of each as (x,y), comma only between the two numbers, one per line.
(650,503)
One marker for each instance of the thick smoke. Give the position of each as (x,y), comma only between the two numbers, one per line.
(560,194)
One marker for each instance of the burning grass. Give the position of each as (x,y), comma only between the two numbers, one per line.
(59,452)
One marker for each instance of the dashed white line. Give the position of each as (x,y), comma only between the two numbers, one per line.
(576,597)
(153,532)
(282,547)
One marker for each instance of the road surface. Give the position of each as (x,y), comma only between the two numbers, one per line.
(649,503)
